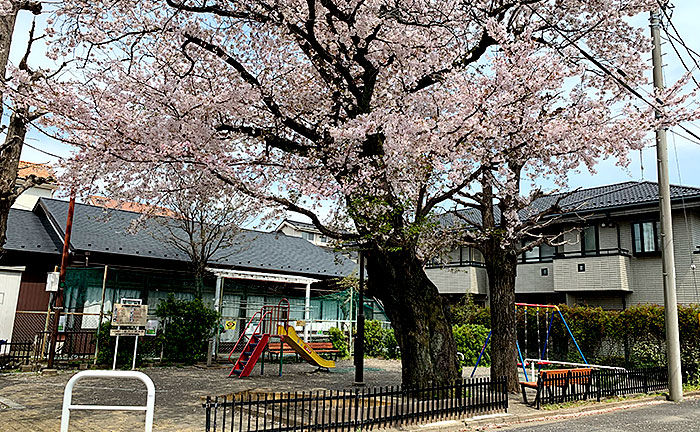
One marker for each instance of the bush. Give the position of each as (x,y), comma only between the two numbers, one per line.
(374,339)
(391,345)
(188,326)
(380,342)
(105,355)
(339,342)
(466,312)
(469,339)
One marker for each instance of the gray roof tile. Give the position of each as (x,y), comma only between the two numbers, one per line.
(28,231)
(97,229)
(600,198)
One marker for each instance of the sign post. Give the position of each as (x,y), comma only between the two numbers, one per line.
(133,315)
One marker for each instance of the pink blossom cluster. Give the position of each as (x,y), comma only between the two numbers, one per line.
(381,110)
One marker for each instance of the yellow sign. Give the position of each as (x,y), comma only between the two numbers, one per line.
(230,325)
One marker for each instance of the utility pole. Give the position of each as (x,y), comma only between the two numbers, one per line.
(58,303)
(673,348)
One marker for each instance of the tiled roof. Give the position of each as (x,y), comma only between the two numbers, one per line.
(38,169)
(600,198)
(104,230)
(131,206)
(29,232)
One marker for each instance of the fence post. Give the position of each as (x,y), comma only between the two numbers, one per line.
(645,374)
(208,409)
(597,379)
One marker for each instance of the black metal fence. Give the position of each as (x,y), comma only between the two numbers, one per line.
(14,354)
(356,409)
(597,384)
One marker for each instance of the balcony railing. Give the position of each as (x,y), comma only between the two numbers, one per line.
(462,263)
(577,254)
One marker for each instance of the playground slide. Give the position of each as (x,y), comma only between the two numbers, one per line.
(304,350)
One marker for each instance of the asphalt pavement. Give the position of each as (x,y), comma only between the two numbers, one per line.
(653,417)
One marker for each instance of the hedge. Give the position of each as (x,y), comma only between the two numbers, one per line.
(634,337)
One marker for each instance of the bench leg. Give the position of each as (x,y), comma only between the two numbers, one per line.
(524,394)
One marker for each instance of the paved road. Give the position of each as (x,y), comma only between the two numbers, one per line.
(663,417)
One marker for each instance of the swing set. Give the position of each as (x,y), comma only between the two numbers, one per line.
(550,311)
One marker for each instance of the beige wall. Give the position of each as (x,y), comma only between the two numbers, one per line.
(606,277)
(530,279)
(28,198)
(459,280)
(602,273)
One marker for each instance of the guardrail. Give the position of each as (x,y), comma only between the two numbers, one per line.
(68,396)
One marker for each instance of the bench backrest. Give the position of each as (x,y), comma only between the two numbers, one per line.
(562,373)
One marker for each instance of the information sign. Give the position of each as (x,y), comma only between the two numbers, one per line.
(129,315)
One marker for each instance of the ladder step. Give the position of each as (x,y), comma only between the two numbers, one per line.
(237,371)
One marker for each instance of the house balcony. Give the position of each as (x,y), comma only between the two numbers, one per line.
(603,270)
(458,277)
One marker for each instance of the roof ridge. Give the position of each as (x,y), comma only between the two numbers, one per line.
(109,209)
(622,186)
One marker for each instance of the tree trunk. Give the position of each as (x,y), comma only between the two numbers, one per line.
(9,155)
(9,164)
(418,315)
(500,267)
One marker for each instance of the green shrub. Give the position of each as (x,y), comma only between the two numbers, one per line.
(469,339)
(374,339)
(466,312)
(339,341)
(188,326)
(105,355)
(391,345)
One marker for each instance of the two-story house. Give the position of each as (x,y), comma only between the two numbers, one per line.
(610,255)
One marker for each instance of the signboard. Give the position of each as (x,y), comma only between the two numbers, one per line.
(127,332)
(52,282)
(229,325)
(151,327)
(62,323)
(129,315)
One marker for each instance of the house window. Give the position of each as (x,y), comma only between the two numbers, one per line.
(544,271)
(645,237)
(589,240)
(323,239)
(582,267)
(308,235)
(538,253)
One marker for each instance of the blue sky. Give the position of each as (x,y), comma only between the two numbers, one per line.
(684,155)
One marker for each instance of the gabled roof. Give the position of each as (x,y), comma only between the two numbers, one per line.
(606,198)
(98,229)
(299,225)
(25,169)
(29,232)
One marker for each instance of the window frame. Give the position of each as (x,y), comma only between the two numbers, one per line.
(596,250)
(657,243)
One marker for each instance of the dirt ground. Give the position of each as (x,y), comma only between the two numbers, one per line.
(32,402)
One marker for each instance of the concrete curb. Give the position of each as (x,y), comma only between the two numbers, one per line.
(497,421)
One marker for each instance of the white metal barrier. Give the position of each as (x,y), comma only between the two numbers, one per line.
(68,396)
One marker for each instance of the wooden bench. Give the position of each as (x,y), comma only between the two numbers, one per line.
(564,378)
(320,348)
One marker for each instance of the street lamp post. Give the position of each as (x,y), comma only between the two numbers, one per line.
(360,337)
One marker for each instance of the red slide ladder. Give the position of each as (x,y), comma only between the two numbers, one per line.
(268,319)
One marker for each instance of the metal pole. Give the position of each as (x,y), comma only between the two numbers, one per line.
(58,305)
(102,306)
(307,312)
(673,349)
(218,294)
(360,338)
(136,345)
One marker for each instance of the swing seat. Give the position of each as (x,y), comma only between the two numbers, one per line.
(563,378)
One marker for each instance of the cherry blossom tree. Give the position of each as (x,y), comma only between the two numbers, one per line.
(383,111)
(22,114)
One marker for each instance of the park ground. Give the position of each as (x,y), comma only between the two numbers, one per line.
(32,401)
